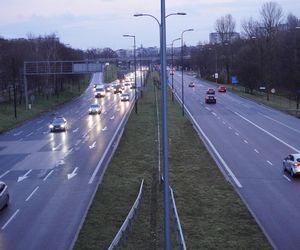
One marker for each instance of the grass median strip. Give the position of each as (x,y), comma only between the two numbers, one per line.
(211,213)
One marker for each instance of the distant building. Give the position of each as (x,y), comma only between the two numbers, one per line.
(215,38)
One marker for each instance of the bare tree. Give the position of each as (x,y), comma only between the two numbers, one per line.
(272,14)
(225,28)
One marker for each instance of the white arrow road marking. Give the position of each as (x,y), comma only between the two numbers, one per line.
(105,128)
(1,176)
(32,193)
(55,148)
(10,219)
(93,145)
(59,163)
(21,178)
(20,132)
(75,130)
(73,174)
(113,117)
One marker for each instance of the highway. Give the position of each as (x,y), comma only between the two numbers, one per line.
(52,177)
(248,142)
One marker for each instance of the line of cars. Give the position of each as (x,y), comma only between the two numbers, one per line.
(210,94)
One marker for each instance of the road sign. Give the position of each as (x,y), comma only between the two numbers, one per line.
(234,80)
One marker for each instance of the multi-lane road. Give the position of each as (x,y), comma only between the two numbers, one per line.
(52,176)
(249,142)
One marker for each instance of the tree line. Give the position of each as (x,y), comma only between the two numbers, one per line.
(266,54)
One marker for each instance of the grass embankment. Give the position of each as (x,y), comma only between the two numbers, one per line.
(40,104)
(212,214)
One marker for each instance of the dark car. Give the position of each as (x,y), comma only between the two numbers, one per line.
(210,99)
(210,92)
(192,84)
(59,123)
(4,196)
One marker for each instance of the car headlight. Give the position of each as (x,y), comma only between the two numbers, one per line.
(51,126)
(90,110)
(62,125)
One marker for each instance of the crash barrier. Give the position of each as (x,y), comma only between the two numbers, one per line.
(179,233)
(127,222)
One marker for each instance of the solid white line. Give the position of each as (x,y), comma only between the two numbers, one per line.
(270,163)
(287,178)
(32,193)
(281,123)
(48,175)
(216,152)
(246,141)
(1,176)
(256,151)
(270,134)
(10,219)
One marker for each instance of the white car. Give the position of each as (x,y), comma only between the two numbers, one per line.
(100,92)
(292,164)
(125,97)
(95,109)
(4,196)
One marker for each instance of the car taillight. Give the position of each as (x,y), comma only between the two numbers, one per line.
(296,164)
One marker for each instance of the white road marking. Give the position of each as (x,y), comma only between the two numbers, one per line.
(256,151)
(69,151)
(32,193)
(224,122)
(21,178)
(219,117)
(38,129)
(104,129)
(47,176)
(237,134)
(113,117)
(93,145)
(20,139)
(281,123)
(214,113)
(73,174)
(75,130)
(216,152)
(287,178)
(17,134)
(246,141)
(208,108)
(29,134)
(1,176)
(270,163)
(55,148)
(77,142)
(267,132)
(230,127)
(10,219)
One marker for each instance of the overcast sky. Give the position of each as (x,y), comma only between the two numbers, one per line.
(101,23)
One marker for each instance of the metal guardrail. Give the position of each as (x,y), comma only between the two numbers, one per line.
(180,237)
(128,219)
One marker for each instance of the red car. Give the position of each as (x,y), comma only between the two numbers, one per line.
(222,89)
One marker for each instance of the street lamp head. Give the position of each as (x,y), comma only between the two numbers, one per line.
(181,13)
(137,15)
(190,30)
(128,36)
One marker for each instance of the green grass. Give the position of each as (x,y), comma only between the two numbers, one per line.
(40,105)
(211,212)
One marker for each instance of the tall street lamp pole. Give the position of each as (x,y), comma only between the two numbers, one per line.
(163,77)
(182,87)
(135,97)
(172,72)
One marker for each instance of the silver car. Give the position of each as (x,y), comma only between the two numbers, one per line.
(4,196)
(95,109)
(125,97)
(292,164)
